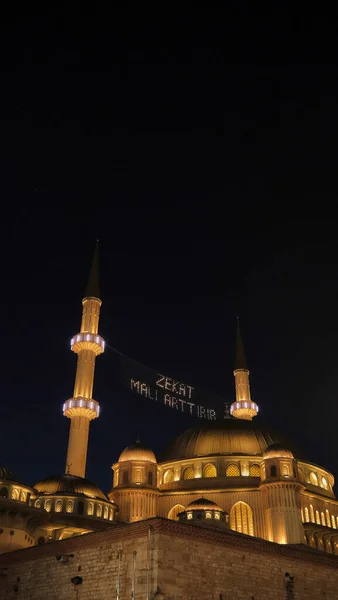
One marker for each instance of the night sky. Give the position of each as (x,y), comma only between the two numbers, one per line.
(201,150)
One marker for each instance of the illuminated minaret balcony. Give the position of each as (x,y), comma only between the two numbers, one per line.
(82,408)
(243,408)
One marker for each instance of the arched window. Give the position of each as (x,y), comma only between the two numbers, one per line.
(150,478)
(313,478)
(241,518)
(15,494)
(307,520)
(333,521)
(273,471)
(285,470)
(69,506)
(168,476)
(209,471)
(254,471)
(48,505)
(328,522)
(23,496)
(138,476)
(58,505)
(80,507)
(302,513)
(322,516)
(232,471)
(317,517)
(37,503)
(312,514)
(4,492)
(90,508)
(324,483)
(125,477)
(188,473)
(208,515)
(173,512)
(105,512)
(99,510)
(110,514)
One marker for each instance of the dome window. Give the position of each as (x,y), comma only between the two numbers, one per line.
(189,515)
(48,505)
(106,512)
(208,515)
(217,515)
(168,476)
(317,517)
(324,483)
(313,478)
(322,517)
(188,473)
(254,471)
(333,521)
(232,471)
(99,510)
(58,505)
(15,494)
(90,509)
(110,514)
(209,471)
(69,506)
(23,497)
(37,503)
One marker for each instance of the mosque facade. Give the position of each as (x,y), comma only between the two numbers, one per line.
(227,475)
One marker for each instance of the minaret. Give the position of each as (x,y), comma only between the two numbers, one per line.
(87,344)
(243,408)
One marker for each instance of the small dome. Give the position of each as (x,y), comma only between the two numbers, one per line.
(203,504)
(7,474)
(137,451)
(71,485)
(277,451)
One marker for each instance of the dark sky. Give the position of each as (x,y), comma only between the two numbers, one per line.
(201,149)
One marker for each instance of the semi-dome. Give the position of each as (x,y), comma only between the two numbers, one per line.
(231,436)
(70,485)
(277,451)
(137,451)
(203,504)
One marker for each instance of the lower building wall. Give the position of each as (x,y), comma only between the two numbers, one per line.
(200,571)
(172,561)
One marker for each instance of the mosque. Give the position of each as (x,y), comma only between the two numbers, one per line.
(228,474)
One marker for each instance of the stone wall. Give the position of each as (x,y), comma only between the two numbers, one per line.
(172,560)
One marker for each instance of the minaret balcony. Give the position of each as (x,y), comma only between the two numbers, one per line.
(83,407)
(244,409)
(87,341)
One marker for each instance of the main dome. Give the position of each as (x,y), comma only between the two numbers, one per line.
(231,436)
(69,484)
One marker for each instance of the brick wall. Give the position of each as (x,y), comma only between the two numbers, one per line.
(185,563)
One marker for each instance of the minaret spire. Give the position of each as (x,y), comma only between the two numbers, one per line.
(93,285)
(243,408)
(88,344)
